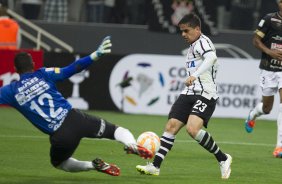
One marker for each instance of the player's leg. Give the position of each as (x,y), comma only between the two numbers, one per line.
(74,165)
(62,150)
(261,108)
(177,117)
(200,115)
(194,129)
(95,127)
(65,141)
(167,141)
(126,137)
(278,150)
(268,83)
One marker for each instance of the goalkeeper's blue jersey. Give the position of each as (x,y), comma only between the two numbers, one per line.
(37,98)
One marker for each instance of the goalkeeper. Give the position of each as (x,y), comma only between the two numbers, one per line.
(37,98)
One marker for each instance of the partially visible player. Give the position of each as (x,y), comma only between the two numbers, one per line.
(37,98)
(268,39)
(196,103)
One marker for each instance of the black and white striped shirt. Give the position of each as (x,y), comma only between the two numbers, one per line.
(202,52)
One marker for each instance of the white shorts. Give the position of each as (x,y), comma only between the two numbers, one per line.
(270,82)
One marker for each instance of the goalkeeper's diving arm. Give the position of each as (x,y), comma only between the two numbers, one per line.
(85,62)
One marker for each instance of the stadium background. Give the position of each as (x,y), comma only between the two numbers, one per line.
(232,39)
(24,150)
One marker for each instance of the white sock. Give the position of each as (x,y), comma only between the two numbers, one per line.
(124,136)
(257,111)
(279,127)
(169,135)
(73,165)
(200,135)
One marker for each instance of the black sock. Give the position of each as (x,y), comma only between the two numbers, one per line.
(166,145)
(209,144)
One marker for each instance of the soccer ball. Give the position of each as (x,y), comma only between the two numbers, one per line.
(149,140)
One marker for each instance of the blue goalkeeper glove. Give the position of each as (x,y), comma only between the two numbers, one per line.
(104,48)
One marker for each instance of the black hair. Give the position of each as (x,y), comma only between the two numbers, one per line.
(23,62)
(191,19)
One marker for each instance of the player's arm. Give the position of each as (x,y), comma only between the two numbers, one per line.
(262,28)
(276,54)
(209,59)
(85,62)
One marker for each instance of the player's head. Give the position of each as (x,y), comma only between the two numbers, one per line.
(23,62)
(190,26)
(192,20)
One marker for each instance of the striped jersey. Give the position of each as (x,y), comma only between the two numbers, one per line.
(204,85)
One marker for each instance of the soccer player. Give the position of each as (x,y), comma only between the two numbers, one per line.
(37,98)
(268,39)
(197,101)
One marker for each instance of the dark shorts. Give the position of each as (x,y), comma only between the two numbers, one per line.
(186,105)
(76,126)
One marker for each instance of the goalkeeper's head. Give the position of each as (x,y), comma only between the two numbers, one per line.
(23,63)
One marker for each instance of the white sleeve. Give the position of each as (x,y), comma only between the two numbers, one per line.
(209,59)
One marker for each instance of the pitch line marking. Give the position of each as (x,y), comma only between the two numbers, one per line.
(231,143)
(178,141)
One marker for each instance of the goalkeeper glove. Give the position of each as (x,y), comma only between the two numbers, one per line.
(104,48)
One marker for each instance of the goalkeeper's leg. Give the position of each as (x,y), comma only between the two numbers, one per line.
(99,128)
(126,137)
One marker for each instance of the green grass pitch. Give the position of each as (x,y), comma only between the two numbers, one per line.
(24,154)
